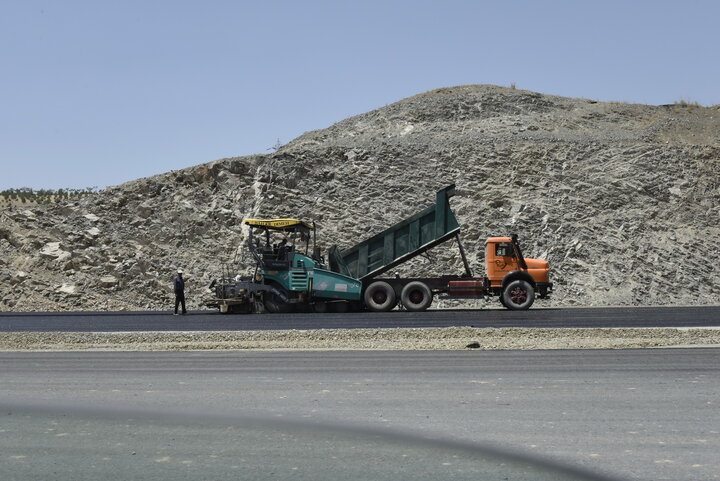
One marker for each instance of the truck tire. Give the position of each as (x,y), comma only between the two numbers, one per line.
(518,295)
(416,296)
(380,296)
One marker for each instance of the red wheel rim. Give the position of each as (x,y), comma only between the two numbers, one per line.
(416,296)
(518,295)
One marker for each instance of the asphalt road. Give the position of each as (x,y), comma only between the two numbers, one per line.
(213,321)
(638,414)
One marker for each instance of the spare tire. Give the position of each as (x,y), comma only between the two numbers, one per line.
(416,296)
(380,296)
(518,295)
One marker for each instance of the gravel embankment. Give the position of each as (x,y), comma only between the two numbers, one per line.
(610,194)
(453,338)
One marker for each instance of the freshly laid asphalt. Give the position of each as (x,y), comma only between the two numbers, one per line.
(706,316)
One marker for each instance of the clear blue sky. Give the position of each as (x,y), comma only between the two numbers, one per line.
(96,93)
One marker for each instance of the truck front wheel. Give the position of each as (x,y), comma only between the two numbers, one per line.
(416,296)
(518,295)
(380,296)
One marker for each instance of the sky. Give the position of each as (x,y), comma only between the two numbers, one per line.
(96,93)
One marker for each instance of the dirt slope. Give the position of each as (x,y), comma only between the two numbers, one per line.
(622,199)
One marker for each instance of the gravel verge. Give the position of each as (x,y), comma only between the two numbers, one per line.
(453,338)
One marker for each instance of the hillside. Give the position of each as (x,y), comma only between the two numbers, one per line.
(622,199)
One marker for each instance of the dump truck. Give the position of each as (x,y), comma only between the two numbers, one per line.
(292,274)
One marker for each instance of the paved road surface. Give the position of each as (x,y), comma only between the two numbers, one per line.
(643,414)
(212,321)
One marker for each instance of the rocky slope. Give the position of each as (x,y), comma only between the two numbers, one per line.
(622,199)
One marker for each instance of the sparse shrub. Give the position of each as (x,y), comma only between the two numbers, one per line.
(687,103)
(276,146)
(45,196)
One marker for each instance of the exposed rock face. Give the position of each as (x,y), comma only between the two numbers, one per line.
(52,250)
(623,200)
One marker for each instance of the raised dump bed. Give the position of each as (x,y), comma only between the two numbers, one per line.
(401,242)
(508,275)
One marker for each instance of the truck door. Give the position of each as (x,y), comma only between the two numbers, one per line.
(499,260)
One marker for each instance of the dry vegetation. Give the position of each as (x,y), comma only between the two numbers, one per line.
(26,196)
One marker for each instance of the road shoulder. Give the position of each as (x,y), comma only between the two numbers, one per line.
(452,338)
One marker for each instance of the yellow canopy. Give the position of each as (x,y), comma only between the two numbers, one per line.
(279,224)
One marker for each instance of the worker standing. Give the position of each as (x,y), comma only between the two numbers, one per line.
(282,249)
(179,287)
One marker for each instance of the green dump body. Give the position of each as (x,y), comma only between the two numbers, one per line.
(400,243)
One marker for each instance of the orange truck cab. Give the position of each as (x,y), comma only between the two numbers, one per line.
(513,277)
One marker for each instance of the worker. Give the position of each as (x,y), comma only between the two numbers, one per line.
(282,249)
(179,287)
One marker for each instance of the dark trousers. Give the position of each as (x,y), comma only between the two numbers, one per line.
(180,299)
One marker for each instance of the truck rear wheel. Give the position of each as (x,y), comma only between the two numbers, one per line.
(518,295)
(380,296)
(416,296)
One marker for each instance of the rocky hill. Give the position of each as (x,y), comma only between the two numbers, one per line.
(622,199)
